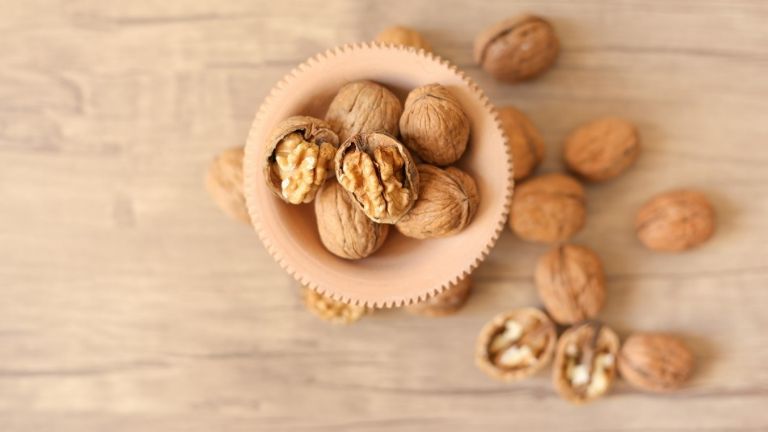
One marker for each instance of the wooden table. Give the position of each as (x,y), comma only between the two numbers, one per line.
(129,303)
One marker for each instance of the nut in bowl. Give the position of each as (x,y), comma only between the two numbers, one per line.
(403,269)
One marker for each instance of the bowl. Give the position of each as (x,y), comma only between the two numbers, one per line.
(404,270)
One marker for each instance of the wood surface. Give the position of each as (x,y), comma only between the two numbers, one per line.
(130,303)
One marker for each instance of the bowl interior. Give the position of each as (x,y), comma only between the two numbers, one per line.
(403,270)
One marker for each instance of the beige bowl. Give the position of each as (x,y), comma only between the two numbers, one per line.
(403,270)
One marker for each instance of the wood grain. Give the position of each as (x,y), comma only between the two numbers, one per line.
(130,303)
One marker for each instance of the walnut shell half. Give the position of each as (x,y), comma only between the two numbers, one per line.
(448,200)
(298,158)
(380,175)
(655,362)
(675,221)
(363,107)
(548,209)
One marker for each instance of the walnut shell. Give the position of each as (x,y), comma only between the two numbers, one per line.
(675,221)
(602,149)
(434,126)
(517,48)
(380,175)
(224,181)
(525,141)
(448,200)
(516,344)
(585,362)
(447,302)
(548,209)
(329,309)
(399,35)
(344,229)
(363,107)
(298,159)
(655,362)
(571,283)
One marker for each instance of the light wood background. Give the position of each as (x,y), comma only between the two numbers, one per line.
(129,303)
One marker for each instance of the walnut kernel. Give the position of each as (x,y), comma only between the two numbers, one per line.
(224,181)
(329,309)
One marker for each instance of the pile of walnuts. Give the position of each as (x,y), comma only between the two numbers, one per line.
(373,162)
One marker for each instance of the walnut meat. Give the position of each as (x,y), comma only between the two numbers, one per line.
(675,221)
(329,309)
(517,48)
(525,141)
(447,302)
(602,149)
(571,283)
(224,182)
(344,229)
(399,35)
(434,126)
(516,344)
(363,107)
(448,200)
(299,154)
(380,175)
(548,209)
(585,362)
(655,362)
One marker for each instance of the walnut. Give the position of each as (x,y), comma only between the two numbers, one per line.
(585,362)
(675,221)
(655,362)
(434,126)
(516,344)
(344,229)
(329,309)
(517,48)
(380,174)
(399,35)
(299,154)
(571,283)
(224,182)
(362,107)
(602,149)
(548,209)
(446,302)
(525,141)
(448,200)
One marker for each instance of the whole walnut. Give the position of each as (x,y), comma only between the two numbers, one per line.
(300,151)
(448,200)
(548,209)
(602,149)
(447,302)
(224,181)
(434,126)
(525,141)
(405,36)
(655,361)
(571,283)
(362,107)
(329,309)
(675,221)
(344,229)
(517,48)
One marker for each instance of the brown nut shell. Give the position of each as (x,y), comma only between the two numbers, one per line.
(447,302)
(448,200)
(344,229)
(380,175)
(517,48)
(224,182)
(525,141)
(675,221)
(364,107)
(298,158)
(434,125)
(585,362)
(516,344)
(404,36)
(571,283)
(329,309)
(655,362)
(548,209)
(602,149)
